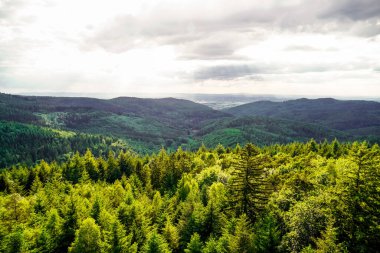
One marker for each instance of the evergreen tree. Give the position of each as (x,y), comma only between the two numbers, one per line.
(113,169)
(195,245)
(14,242)
(170,233)
(361,197)
(91,165)
(248,185)
(241,240)
(126,163)
(156,244)
(87,238)
(120,243)
(95,211)
(70,224)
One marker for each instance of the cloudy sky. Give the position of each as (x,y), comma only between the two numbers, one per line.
(297,47)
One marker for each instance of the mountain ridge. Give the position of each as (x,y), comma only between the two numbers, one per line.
(147,124)
(337,114)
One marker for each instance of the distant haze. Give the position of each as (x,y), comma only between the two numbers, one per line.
(153,47)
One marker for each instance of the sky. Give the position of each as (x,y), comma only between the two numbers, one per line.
(125,47)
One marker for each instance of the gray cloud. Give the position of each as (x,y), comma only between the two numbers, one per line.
(353,9)
(226,72)
(258,71)
(188,28)
(215,47)
(209,51)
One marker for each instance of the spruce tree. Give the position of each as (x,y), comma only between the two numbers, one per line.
(249,187)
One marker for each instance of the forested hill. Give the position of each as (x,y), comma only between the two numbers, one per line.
(336,114)
(166,110)
(146,125)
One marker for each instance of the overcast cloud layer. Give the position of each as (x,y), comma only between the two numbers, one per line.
(297,47)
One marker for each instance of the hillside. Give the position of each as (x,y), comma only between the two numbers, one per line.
(264,131)
(146,125)
(25,143)
(347,115)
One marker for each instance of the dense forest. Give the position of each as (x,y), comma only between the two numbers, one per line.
(312,197)
(147,124)
(27,144)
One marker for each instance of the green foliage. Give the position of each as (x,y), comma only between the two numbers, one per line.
(27,144)
(249,187)
(241,238)
(52,128)
(87,238)
(195,245)
(14,242)
(170,233)
(267,234)
(156,244)
(120,243)
(312,197)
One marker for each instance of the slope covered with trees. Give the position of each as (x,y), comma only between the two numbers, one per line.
(313,197)
(27,144)
(147,124)
(336,114)
(264,131)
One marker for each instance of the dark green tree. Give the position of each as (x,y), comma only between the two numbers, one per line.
(248,186)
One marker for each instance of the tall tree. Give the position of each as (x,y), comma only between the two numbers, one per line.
(248,186)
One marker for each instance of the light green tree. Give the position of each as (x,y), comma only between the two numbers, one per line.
(87,238)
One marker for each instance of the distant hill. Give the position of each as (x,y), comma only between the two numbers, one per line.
(164,110)
(265,131)
(146,125)
(350,115)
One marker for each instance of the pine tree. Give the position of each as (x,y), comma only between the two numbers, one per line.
(195,245)
(87,238)
(114,172)
(120,243)
(170,232)
(69,226)
(95,211)
(361,195)
(125,163)
(156,244)
(14,242)
(241,240)
(91,165)
(249,187)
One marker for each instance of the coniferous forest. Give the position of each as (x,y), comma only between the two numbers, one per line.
(192,126)
(311,197)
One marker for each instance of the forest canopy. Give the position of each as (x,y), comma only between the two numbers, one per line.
(312,197)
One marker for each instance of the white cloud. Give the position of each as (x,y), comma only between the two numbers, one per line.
(218,46)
